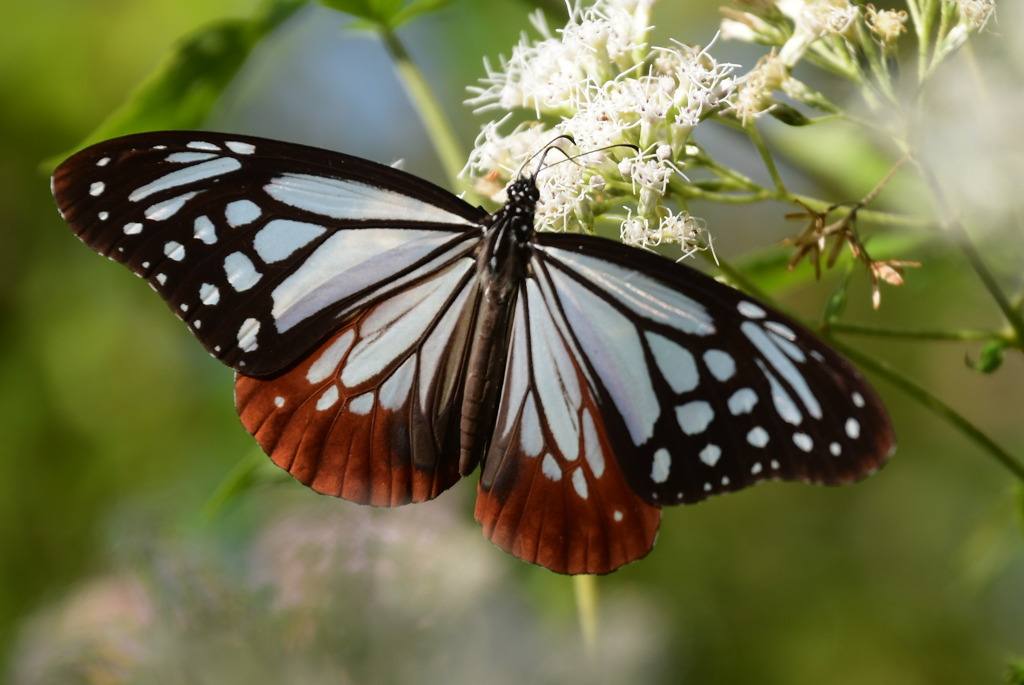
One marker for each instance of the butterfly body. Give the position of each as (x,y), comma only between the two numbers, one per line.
(389,338)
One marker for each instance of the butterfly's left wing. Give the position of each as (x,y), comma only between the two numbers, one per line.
(373,414)
(262,248)
(634,382)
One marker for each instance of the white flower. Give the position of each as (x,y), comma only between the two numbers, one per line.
(813,20)
(683,229)
(599,82)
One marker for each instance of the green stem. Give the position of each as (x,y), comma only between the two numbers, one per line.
(433,117)
(966,245)
(968,335)
(933,403)
(585,589)
(766,157)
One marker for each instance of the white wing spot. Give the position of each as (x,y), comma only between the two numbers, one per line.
(240,148)
(329,398)
(104,161)
(803,441)
(707,487)
(204,230)
(96,189)
(721,364)
(675,362)
(661,465)
(725,480)
(162,211)
(756,468)
(361,405)
(394,394)
(183,307)
(774,465)
(203,145)
(852,428)
(161,279)
(579,483)
(835,449)
(280,238)
(858,400)
(549,467)
(103,216)
(328,362)
(240,271)
(710,454)
(247,333)
(778,356)
(132,228)
(694,417)
(780,329)
(592,451)
(197,324)
(531,439)
(617,515)
(209,294)
(174,250)
(242,212)
(750,310)
(742,401)
(784,404)
(278,401)
(189,174)
(189,157)
(758,437)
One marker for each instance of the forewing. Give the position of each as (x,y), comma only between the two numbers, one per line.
(263,248)
(701,389)
(551,491)
(372,415)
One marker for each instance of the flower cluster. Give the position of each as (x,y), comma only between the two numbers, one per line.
(849,39)
(629,107)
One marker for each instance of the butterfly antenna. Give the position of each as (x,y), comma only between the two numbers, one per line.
(543,152)
(569,158)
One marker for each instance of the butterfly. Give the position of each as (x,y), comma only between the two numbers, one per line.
(388,338)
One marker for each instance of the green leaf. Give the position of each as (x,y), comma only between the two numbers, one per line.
(991,357)
(384,15)
(182,91)
(251,472)
(1015,676)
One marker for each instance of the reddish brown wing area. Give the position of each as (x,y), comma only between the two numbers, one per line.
(372,415)
(551,492)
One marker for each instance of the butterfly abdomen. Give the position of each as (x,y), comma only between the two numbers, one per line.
(501,267)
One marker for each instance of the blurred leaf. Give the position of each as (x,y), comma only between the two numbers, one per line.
(386,15)
(182,91)
(1020,507)
(253,471)
(1015,676)
(991,357)
(788,115)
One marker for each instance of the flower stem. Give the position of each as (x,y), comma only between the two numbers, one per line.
(966,335)
(433,117)
(966,245)
(585,589)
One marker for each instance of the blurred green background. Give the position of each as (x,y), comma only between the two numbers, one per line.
(118,429)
